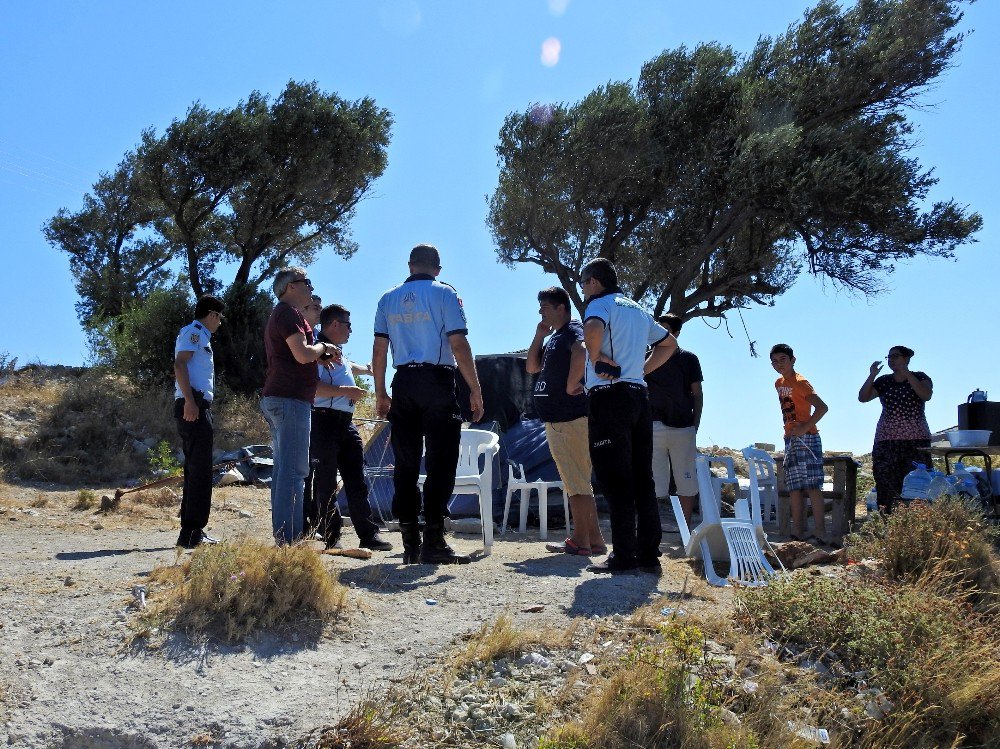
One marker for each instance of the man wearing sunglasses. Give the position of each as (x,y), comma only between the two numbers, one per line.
(287,397)
(335,445)
(194,377)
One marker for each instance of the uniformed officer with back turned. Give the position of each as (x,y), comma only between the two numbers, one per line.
(423,322)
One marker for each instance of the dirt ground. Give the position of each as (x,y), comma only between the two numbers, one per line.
(69,678)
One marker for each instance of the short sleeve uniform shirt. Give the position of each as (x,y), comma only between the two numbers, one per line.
(628,331)
(417,317)
(201,367)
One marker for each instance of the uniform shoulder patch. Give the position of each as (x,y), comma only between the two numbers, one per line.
(194,338)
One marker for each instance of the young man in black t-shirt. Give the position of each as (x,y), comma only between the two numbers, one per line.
(675,398)
(562,404)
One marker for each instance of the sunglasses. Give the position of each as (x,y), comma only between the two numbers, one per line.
(306,281)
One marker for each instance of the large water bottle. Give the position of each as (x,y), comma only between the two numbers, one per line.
(966,481)
(916,482)
(871,501)
(940,486)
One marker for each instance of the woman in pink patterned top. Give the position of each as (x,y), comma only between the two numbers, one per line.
(902,428)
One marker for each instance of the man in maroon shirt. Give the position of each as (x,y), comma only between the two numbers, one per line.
(287,399)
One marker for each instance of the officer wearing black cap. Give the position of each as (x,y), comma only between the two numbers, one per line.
(422,320)
(194,389)
(616,334)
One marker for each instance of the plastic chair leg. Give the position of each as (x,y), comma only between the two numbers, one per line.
(525,499)
(486,515)
(506,511)
(543,510)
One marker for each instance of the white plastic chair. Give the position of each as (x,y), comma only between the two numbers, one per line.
(521,484)
(469,479)
(763,485)
(747,564)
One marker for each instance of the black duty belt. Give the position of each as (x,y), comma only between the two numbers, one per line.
(426,365)
(345,415)
(629,385)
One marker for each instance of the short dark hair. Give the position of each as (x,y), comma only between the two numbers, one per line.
(782,348)
(332,312)
(673,322)
(554,296)
(208,303)
(603,270)
(907,352)
(425,256)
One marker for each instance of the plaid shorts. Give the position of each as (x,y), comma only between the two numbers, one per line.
(803,464)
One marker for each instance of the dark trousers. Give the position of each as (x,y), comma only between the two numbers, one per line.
(891,461)
(196,441)
(621,449)
(424,411)
(335,445)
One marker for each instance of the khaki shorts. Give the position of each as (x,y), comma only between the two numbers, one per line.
(569,444)
(673,446)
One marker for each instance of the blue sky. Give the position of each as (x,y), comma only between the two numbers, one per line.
(81,80)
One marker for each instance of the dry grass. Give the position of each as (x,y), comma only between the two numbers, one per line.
(665,693)
(944,697)
(40,500)
(373,723)
(233,590)
(238,422)
(501,639)
(946,546)
(162,496)
(86,499)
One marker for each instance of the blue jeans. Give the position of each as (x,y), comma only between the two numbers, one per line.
(289,421)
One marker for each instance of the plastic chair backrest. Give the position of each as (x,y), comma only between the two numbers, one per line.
(708,493)
(763,483)
(747,564)
(474,443)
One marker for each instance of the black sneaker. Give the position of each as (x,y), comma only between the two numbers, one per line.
(206,539)
(613,566)
(194,539)
(376,543)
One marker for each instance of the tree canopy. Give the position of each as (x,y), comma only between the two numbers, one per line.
(249,189)
(716,178)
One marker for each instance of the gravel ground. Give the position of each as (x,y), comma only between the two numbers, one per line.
(69,678)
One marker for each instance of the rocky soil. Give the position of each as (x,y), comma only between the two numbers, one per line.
(70,675)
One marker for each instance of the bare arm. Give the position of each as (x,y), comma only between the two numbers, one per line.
(593,337)
(191,410)
(306,353)
(354,393)
(922,388)
(534,362)
(699,400)
(867,391)
(380,359)
(357,369)
(659,355)
(577,367)
(819,410)
(467,366)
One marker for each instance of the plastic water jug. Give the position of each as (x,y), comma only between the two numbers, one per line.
(916,482)
(871,501)
(940,486)
(966,481)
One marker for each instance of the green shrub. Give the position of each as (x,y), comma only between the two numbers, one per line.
(934,657)
(948,544)
(162,461)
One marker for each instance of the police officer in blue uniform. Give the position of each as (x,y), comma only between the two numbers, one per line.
(423,322)
(334,442)
(617,333)
(194,389)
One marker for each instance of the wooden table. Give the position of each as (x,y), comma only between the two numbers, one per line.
(844,495)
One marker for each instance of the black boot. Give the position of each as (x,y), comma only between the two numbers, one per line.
(436,550)
(411,542)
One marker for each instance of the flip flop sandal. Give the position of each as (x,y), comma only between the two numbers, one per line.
(569,547)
